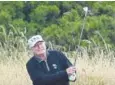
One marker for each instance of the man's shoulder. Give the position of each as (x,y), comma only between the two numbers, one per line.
(54,51)
(30,61)
(57,54)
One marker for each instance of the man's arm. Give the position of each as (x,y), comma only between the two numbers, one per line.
(67,64)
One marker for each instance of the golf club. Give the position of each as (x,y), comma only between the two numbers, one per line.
(73,76)
(83,26)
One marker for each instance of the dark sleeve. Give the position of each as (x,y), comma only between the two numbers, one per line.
(64,60)
(39,78)
(66,63)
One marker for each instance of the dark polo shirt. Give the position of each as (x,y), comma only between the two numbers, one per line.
(50,72)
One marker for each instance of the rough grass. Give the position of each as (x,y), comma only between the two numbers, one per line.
(13,72)
(95,71)
(100,73)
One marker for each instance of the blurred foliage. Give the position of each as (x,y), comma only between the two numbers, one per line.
(59,22)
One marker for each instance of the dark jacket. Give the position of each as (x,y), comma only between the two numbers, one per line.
(51,72)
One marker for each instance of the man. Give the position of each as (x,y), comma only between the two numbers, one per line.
(48,67)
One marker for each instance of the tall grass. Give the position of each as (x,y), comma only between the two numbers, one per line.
(95,65)
(97,68)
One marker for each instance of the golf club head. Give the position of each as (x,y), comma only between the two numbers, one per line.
(86,10)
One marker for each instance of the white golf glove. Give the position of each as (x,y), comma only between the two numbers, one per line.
(72,77)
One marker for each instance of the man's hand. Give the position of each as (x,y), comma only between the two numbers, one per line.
(71,71)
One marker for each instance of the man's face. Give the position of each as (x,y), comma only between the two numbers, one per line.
(39,48)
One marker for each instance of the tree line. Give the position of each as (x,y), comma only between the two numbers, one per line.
(60,22)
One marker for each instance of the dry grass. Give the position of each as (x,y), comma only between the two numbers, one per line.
(98,71)
(13,72)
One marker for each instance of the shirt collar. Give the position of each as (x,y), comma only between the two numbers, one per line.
(40,60)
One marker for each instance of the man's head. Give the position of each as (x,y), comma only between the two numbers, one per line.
(37,44)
